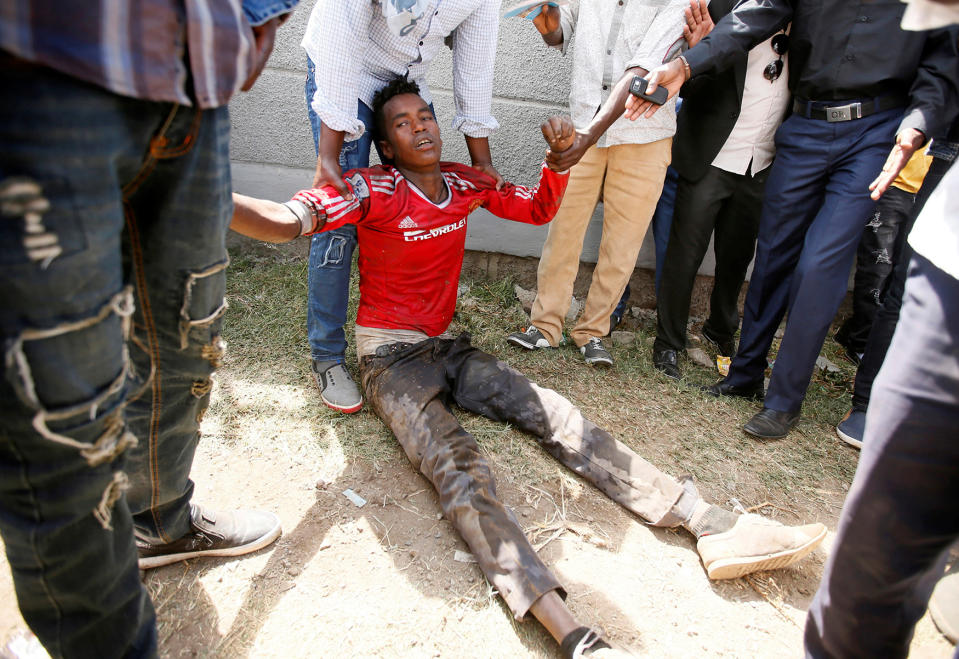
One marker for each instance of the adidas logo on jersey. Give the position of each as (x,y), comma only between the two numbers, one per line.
(407,223)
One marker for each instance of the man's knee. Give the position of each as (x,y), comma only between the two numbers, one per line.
(71,379)
(67,386)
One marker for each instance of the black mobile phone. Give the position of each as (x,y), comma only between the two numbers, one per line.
(638,88)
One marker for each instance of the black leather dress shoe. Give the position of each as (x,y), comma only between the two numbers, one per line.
(771,424)
(667,362)
(722,388)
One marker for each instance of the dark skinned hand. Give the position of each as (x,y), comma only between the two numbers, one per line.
(263,36)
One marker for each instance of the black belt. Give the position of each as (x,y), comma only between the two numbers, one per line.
(391,348)
(839,111)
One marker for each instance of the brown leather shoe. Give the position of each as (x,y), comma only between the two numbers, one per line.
(214,533)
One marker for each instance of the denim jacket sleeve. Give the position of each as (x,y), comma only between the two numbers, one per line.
(258,12)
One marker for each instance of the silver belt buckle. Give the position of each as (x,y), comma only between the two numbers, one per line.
(844,112)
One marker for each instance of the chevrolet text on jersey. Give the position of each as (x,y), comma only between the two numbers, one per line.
(433,233)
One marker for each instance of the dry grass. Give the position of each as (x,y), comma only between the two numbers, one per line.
(674,426)
(382,580)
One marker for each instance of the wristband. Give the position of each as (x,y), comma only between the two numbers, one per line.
(303,214)
(687,71)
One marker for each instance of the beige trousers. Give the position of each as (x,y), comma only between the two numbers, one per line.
(630,178)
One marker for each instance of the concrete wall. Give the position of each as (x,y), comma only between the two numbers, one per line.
(272,147)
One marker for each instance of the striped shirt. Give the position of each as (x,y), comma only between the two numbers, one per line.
(360,45)
(186,51)
(611,37)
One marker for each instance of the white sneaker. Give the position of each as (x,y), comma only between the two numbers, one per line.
(756,543)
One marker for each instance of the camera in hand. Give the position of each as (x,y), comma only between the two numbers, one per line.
(638,88)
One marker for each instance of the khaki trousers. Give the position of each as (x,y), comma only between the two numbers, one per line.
(630,178)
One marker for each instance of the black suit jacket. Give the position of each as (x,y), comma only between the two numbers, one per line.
(710,109)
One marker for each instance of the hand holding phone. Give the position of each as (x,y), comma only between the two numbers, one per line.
(638,88)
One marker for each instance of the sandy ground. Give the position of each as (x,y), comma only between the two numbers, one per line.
(384,579)
(388,579)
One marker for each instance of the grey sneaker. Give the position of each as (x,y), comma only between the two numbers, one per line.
(595,354)
(337,388)
(214,534)
(530,339)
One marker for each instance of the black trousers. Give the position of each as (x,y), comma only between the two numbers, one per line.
(881,241)
(884,324)
(730,205)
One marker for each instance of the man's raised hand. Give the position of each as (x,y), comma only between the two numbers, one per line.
(558,132)
(698,22)
(547,20)
(560,136)
(263,37)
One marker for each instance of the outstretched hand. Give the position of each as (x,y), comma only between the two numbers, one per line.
(907,142)
(671,75)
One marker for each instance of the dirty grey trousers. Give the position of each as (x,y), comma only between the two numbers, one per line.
(411,388)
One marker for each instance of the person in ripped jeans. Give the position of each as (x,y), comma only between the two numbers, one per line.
(114,207)
(411,225)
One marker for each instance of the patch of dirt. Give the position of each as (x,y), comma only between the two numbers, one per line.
(384,579)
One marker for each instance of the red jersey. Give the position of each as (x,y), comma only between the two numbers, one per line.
(411,249)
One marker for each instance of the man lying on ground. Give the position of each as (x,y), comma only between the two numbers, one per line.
(411,220)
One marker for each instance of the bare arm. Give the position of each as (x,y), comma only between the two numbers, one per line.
(482,159)
(263,36)
(610,111)
(328,170)
(264,220)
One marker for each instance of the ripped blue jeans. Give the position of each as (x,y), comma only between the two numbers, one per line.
(112,274)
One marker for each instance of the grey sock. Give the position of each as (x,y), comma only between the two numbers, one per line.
(708,519)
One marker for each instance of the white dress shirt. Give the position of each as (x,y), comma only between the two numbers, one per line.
(610,37)
(936,232)
(762,110)
(357,50)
